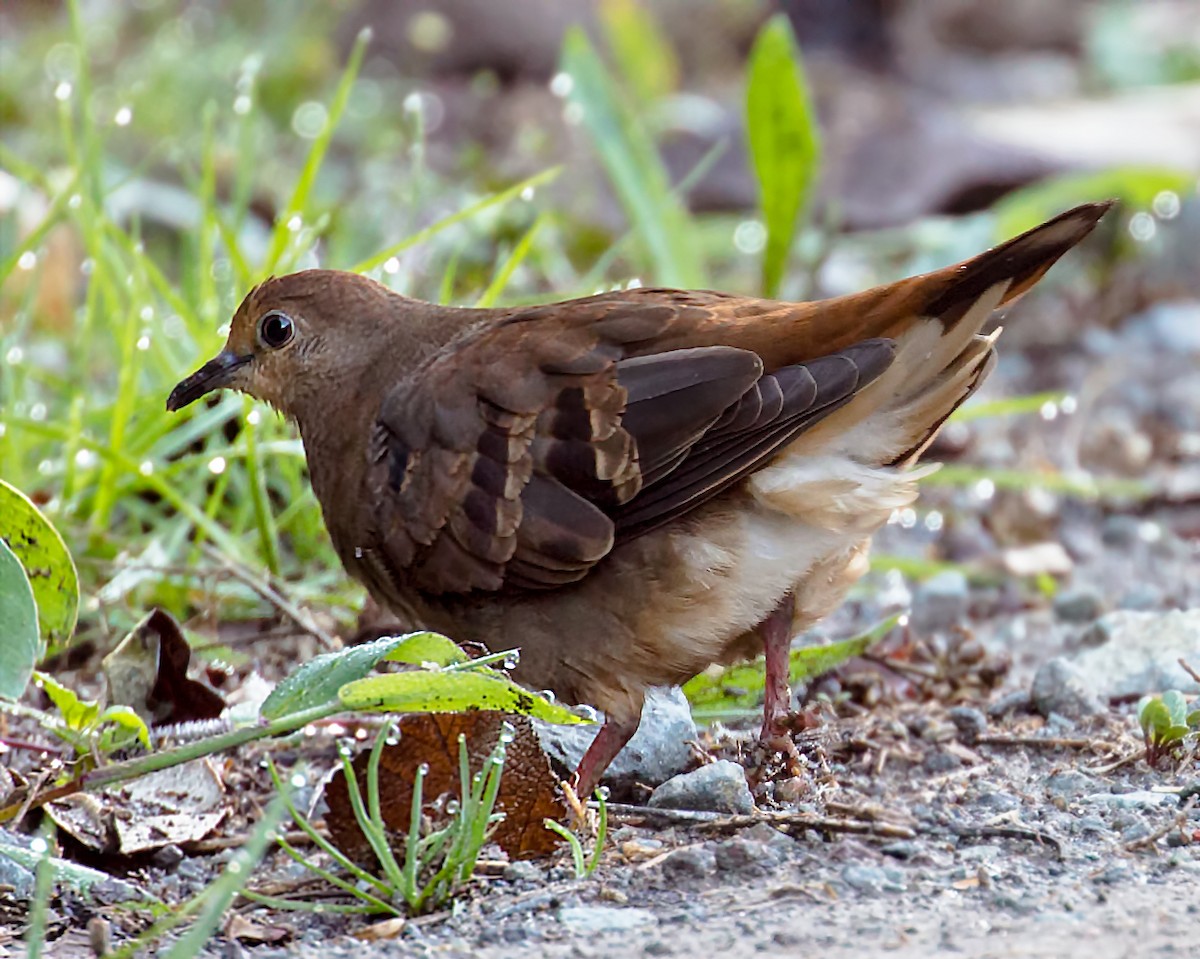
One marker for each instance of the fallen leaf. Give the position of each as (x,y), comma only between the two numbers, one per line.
(148,672)
(528,789)
(383,930)
(246,930)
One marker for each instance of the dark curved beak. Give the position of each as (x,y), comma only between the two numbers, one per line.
(213,375)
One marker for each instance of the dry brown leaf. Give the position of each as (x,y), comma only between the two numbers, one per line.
(382,930)
(528,789)
(148,673)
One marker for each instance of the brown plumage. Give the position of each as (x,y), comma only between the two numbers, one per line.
(630,486)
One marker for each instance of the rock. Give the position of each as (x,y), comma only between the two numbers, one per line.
(657,751)
(871,880)
(969,721)
(902,849)
(594,920)
(1080,604)
(1138,799)
(940,602)
(693,863)
(1016,701)
(1060,687)
(1070,784)
(716,787)
(522,869)
(1128,654)
(746,856)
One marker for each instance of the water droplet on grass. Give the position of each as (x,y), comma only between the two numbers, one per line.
(123,117)
(217,465)
(27,260)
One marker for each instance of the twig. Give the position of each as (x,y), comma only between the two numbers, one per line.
(1189,670)
(273,596)
(1005,832)
(1178,822)
(719,822)
(1044,742)
(1118,763)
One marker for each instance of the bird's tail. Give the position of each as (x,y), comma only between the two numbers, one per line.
(941,357)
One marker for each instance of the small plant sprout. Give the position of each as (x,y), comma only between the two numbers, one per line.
(1167,721)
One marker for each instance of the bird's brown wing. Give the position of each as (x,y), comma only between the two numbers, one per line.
(524,451)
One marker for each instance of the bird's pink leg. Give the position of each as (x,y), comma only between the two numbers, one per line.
(776,633)
(609,741)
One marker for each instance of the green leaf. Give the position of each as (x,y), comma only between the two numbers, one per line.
(421,648)
(19,645)
(124,726)
(785,145)
(77,713)
(643,54)
(47,563)
(74,875)
(740,687)
(317,682)
(1176,706)
(810,662)
(634,167)
(1162,718)
(432,691)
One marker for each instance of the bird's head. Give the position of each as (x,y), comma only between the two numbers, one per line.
(297,340)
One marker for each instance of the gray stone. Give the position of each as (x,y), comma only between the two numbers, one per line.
(716,787)
(657,751)
(593,920)
(1137,799)
(902,849)
(1080,604)
(969,721)
(746,856)
(940,602)
(523,870)
(1060,687)
(871,880)
(694,863)
(1128,654)
(1070,784)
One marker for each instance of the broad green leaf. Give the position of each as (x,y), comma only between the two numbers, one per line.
(77,713)
(124,727)
(812,661)
(785,145)
(1176,706)
(431,691)
(74,875)
(1135,186)
(1156,719)
(740,687)
(19,645)
(318,681)
(421,648)
(634,167)
(47,562)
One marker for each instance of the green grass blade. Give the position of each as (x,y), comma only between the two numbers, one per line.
(634,167)
(784,143)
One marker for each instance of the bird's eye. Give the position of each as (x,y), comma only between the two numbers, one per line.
(276,329)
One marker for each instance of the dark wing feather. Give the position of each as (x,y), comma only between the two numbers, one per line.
(523,451)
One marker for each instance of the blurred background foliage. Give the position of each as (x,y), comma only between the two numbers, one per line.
(159,157)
